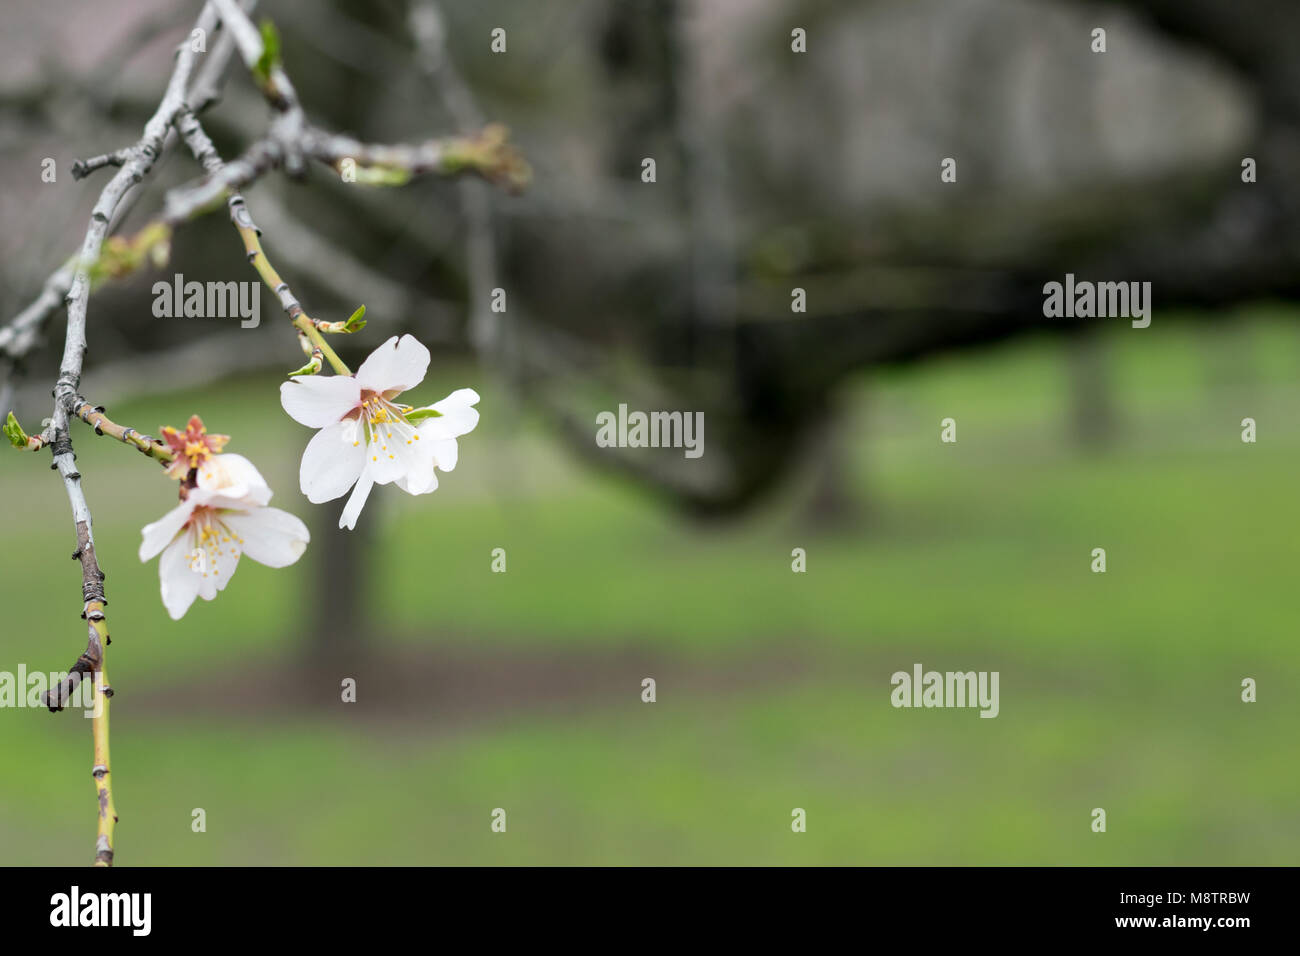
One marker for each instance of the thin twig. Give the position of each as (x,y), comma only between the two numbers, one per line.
(93,415)
(200,144)
(84,167)
(21,334)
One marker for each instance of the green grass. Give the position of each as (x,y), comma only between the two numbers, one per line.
(1118,690)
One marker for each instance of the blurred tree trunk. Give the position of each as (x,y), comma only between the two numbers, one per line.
(1091,402)
(338,595)
(836,502)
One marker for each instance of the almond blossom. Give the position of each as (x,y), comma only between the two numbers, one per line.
(366,438)
(191,447)
(221,517)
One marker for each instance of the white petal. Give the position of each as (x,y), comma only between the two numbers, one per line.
(207,585)
(268,535)
(160,533)
(234,478)
(180,585)
(457,416)
(352,510)
(199,497)
(420,480)
(332,461)
(212,562)
(445,453)
(319,400)
(396,365)
(221,568)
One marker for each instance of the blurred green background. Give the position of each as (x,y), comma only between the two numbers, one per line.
(522,690)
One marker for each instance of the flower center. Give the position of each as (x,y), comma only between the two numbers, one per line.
(385,425)
(196,451)
(191,447)
(378,410)
(211,540)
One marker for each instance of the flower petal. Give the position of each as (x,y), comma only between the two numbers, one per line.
(457,416)
(422,482)
(234,478)
(445,453)
(268,535)
(396,365)
(319,400)
(180,584)
(221,568)
(162,532)
(332,462)
(352,510)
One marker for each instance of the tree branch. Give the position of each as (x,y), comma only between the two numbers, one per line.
(134,168)
(93,415)
(20,336)
(84,167)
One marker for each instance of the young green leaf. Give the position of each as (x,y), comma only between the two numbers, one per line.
(14,432)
